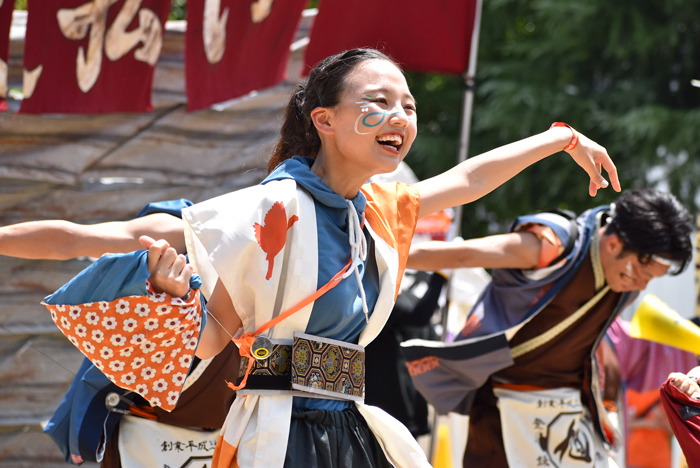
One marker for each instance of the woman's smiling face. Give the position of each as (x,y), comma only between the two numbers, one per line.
(375,121)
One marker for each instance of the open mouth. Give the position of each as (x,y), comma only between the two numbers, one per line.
(391,142)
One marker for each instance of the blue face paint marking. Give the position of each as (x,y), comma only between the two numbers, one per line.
(364,121)
(362,117)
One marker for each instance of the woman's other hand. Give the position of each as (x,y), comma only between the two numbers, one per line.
(170,272)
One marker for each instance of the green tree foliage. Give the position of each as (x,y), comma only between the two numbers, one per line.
(178,10)
(619,72)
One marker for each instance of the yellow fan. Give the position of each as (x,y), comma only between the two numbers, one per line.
(657,322)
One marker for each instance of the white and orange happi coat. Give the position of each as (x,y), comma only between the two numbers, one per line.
(269,268)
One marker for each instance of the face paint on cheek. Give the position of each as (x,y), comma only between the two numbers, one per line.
(368,119)
(629,268)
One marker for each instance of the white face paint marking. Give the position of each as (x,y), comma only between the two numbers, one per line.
(357,123)
(629,268)
(363,109)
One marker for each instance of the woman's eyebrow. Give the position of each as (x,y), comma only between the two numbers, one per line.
(370,94)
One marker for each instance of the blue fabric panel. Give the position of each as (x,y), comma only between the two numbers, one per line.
(110,277)
(171,207)
(77,425)
(85,418)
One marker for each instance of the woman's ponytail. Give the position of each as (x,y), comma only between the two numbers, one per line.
(298,136)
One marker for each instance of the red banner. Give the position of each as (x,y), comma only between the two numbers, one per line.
(6,7)
(421,36)
(234,47)
(93,56)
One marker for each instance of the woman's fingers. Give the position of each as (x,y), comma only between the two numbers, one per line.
(165,263)
(186,274)
(147,241)
(178,267)
(592,188)
(180,273)
(169,271)
(155,253)
(172,274)
(610,168)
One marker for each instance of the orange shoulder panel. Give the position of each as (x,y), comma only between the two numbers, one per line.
(392,211)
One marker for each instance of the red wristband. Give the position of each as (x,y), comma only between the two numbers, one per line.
(574,137)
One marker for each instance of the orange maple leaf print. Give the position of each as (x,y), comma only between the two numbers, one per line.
(272,236)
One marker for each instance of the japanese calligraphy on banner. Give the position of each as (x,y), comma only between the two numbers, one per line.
(422,38)
(233,47)
(6,7)
(91,56)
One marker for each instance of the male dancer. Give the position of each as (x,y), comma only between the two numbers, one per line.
(523,366)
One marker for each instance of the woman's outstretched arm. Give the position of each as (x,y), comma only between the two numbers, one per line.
(61,240)
(481,174)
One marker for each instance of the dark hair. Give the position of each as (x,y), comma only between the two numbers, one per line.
(323,88)
(650,222)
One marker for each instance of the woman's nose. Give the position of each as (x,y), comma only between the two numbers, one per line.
(400,118)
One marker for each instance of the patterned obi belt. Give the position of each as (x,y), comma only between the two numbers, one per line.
(308,366)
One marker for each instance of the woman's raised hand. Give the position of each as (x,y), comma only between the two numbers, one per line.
(592,157)
(170,272)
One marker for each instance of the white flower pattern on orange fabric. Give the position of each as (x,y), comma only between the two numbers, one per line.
(151,324)
(118,340)
(65,323)
(117,366)
(142,310)
(172,397)
(74,312)
(125,337)
(122,307)
(98,336)
(160,385)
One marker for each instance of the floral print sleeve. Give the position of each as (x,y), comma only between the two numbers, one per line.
(145,344)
